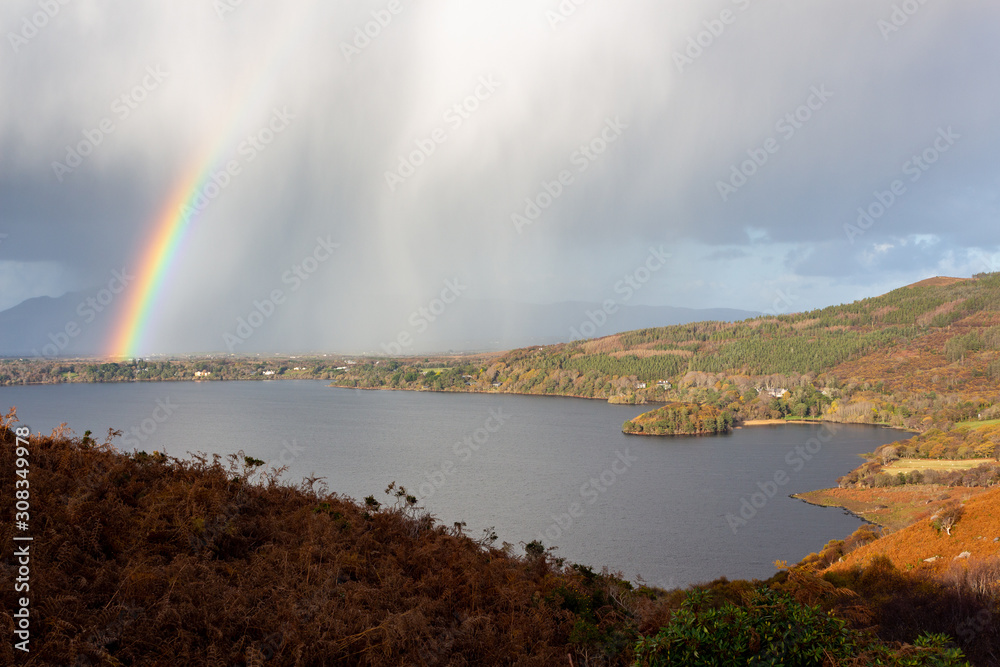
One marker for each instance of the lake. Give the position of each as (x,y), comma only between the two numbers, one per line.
(548,468)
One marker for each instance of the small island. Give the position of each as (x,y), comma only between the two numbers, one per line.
(680,418)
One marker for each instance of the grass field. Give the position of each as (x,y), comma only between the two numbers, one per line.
(786,420)
(909,465)
(977,424)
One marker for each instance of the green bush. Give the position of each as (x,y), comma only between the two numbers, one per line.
(772,628)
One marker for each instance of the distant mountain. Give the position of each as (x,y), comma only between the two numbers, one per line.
(38,327)
(56,327)
(497,324)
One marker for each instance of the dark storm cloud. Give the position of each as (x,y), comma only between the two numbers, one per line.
(418,129)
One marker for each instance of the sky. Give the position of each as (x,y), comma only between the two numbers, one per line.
(368,159)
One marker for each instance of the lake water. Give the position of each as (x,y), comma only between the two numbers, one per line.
(554,469)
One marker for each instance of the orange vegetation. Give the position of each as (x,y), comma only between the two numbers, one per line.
(601,345)
(920,365)
(938,281)
(893,507)
(909,548)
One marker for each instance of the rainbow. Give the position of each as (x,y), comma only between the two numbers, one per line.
(174,222)
(160,252)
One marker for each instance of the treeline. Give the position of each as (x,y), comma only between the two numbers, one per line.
(44,371)
(541,376)
(958,443)
(753,348)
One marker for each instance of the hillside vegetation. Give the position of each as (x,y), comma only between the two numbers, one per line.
(920,356)
(963,534)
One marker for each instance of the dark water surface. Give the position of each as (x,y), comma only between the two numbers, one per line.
(554,469)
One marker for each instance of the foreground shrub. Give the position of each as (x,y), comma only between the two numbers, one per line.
(772,628)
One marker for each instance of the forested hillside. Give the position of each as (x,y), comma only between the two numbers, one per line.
(923,355)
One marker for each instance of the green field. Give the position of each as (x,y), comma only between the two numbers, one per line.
(977,424)
(909,465)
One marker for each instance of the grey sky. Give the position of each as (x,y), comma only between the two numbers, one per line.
(833,99)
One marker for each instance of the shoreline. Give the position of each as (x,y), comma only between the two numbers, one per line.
(776,422)
(675,435)
(892,508)
(798,496)
(505,393)
(772,422)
